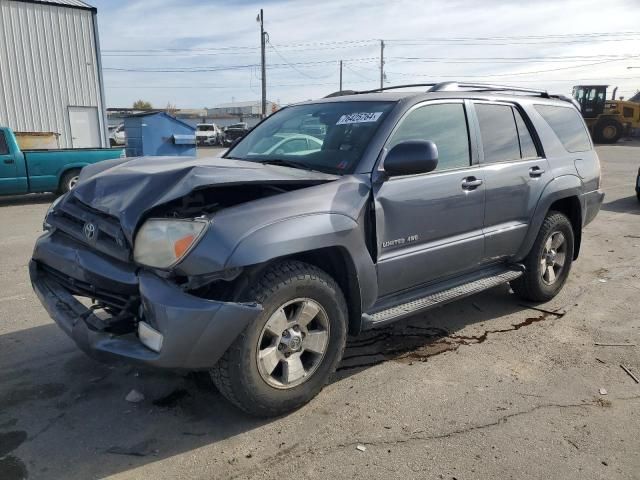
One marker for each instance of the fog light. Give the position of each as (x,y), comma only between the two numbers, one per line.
(150,337)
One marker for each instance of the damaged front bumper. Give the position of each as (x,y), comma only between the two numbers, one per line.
(195,332)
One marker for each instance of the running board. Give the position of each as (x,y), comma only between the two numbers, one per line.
(441,297)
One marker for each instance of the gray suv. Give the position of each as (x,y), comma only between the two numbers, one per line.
(256,265)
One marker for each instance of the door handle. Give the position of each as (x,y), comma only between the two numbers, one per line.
(536,172)
(8,160)
(471,183)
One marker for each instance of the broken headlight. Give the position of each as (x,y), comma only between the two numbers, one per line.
(45,225)
(163,243)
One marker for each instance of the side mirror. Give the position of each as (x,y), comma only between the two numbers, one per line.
(411,157)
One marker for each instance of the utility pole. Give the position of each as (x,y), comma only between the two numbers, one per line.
(340,75)
(264,68)
(381,63)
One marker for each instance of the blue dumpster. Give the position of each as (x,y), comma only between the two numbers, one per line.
(158,134)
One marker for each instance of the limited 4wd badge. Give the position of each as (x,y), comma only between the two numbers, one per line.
(363,117)
(400,241)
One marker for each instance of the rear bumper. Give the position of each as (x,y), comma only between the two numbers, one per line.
(591,203)
(196,332)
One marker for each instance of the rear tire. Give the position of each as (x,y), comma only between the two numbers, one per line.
(68,181)
(284,358)
(608,130)
(549,261)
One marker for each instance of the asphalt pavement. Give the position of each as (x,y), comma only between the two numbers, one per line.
(486,388)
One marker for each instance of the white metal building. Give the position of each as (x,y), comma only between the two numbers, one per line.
(241,108)
(50,72)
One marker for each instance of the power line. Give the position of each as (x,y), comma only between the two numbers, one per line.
(214,68)
(348,67)
(205,86)
(621,36)
(512,74)
(494,60)
(239,47)
(293,67)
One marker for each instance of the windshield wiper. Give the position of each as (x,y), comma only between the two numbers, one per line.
(288,163)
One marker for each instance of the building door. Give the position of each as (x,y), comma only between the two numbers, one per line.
(85,128)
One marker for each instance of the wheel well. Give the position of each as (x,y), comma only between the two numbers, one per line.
(63,175)
(570,206)
(338,263)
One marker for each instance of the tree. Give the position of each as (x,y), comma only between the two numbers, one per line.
(171,109)
(142,105)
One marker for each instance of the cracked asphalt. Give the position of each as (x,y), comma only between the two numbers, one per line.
(486,388)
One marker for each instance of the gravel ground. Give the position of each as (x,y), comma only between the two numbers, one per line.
(484,388)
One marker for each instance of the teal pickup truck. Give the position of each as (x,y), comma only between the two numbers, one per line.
(35,171)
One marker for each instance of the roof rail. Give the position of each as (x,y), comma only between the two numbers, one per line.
(459,86)
(485,87)
(395,87)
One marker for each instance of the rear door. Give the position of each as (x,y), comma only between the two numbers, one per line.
(429,226)
(515,174)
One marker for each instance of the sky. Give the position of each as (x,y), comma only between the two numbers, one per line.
(201,53)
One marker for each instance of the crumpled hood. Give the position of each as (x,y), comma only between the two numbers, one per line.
(127,188)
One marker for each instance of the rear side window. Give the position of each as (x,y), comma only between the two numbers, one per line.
(499,133)
(567,125)
(445,124)
(4,148)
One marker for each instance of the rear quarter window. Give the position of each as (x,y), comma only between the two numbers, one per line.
(567,124)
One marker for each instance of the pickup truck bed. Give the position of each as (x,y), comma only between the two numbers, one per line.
(34,171)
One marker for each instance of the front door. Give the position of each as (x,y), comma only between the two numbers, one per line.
(429,226)
(9,181)
(85,127)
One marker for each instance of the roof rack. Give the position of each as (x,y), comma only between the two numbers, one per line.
(458,86)
(395,87)
(485,87)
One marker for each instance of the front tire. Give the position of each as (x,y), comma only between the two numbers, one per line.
(284,358)
(608,130)
(549,262)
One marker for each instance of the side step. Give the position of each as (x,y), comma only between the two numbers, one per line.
(438,298)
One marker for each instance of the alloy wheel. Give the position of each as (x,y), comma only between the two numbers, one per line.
(293,343)
(553,259)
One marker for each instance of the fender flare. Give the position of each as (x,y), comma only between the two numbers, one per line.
(564,186)
(306,233)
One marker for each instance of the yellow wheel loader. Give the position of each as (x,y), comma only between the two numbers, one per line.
(608,120)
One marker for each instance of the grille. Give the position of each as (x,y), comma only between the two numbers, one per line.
(116,302)
(91,227)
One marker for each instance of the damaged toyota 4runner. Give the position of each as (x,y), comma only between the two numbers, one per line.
(256,266)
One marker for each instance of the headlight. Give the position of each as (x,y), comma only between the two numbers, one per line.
(45,225)
(162,243)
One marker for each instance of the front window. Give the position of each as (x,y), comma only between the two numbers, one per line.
(329,137)
(206,128)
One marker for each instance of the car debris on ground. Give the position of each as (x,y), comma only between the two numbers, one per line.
(134,396)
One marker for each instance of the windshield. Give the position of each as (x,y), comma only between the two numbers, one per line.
(330,137)
(206,128)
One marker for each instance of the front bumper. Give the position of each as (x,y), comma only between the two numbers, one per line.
(196,331)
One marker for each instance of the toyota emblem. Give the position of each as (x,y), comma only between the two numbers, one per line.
(89,230)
